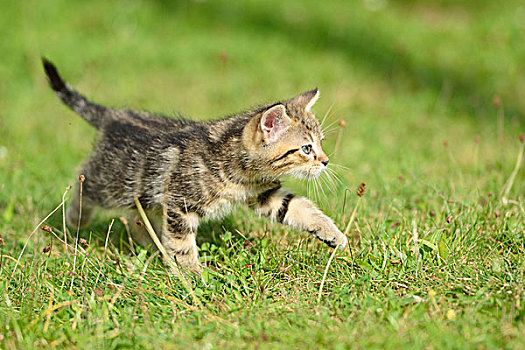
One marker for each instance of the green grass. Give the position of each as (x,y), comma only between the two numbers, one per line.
(436,261)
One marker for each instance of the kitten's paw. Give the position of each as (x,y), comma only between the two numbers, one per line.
(194,270)
(330,234)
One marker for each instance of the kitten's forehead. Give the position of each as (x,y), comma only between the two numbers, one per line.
(305,120)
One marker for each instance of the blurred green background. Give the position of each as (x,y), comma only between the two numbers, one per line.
(432,93)
(405,75)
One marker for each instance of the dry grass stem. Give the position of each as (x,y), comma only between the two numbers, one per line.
(31,235)
(508,185)
(64,228)
(167,258)
(360,193)
(81,180)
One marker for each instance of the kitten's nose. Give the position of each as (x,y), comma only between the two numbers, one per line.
(323,159)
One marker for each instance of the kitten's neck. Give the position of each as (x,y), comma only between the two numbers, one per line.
(237,150)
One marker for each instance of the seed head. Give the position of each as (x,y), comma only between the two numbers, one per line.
(445,143)
(224,57)
(361,190)
(521,138)
(47,228)
(68,187)
(395,224)
(83,241)
(47,248)
(81,178)
(139,223)
(496,101)
(342,123)
(432,213)
(449,219)
(2,243)
(476,139)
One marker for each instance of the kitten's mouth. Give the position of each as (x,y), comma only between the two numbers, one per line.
(316,171)
(306,173)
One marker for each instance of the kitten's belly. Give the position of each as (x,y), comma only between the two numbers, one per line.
(219,209)
(231,196)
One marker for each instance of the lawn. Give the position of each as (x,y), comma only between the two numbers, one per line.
(432,98)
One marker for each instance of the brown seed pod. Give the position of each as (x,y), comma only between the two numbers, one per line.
(47,228)
(81,178)
(139,223)
(47,248)
(342,123)
(361,190)
(496,101)
(521,138)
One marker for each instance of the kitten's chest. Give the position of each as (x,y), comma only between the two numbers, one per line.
(227,196)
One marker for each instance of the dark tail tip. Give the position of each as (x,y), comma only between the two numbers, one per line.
(55,81)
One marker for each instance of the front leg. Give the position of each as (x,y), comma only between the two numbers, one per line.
(178,238)
(300,213)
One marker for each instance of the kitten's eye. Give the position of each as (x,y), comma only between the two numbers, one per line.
(307,149)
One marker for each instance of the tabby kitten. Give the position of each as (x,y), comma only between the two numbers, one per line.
(184,172)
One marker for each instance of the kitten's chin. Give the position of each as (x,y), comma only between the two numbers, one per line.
(309,173)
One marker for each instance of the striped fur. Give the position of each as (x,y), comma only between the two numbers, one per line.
(184,172)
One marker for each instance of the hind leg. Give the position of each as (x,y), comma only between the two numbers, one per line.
(178,237)
(81,209)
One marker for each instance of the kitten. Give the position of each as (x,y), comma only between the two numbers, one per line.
(184,172)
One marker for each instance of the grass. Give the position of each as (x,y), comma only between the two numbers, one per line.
(437,256)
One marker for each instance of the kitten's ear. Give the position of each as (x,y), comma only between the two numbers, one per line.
(307,99)
(274,122)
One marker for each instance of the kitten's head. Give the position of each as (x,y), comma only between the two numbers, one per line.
(288,138)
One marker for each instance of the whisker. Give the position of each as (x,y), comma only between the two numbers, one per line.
(316,190)
(337,166)
(330,179)
(326,114)
(322,188)
(332,174)
(330,125)
(336,177)
(332,130)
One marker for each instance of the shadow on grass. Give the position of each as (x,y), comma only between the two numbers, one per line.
(377,50)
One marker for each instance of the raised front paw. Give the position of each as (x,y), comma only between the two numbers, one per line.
(330,234)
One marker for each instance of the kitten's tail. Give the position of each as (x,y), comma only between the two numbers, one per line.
(93,113)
